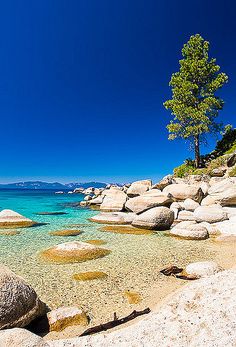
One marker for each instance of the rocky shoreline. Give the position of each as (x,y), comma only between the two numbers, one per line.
(193,208)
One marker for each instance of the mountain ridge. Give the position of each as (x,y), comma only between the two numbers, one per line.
(51,185)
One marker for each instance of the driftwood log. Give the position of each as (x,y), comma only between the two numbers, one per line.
(177,272)
(114,322)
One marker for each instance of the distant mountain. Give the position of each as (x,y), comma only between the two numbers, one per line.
(53,186)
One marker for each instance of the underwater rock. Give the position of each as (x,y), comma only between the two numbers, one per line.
(63,317)
(73,252)
(89,275)
(132,297)
(9,233)
(65,232)
(96,242)
(125,230)
(50,213)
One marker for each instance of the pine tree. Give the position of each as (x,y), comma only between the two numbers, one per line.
(194,104)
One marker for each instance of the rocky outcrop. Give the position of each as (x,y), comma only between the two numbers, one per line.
(73,252)
(19,302)
(113,218)
(139,187)
(12,219)
(181,192)
(152,198)
(189,230)
(210,214)
(64,317)
(157,218)
(202,268)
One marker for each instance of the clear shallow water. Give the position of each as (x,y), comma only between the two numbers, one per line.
(133,264)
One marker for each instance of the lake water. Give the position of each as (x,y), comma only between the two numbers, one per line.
(133,264)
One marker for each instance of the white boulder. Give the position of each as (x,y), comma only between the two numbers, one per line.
(114,201)
(113,218)
(9,219)
(210,214)
(150,199)
(19,302)
(203,268)
(157,218)
(181,192)
(139,187)
(190,230)
(190,205)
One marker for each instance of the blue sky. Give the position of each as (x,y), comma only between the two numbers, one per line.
(82,85)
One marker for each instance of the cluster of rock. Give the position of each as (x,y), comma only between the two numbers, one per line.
(194,207)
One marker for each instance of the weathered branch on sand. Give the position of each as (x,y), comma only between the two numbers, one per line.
(114,322)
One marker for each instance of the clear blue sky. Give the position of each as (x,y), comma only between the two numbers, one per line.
(82,84)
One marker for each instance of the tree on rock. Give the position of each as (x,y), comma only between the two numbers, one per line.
(194,104)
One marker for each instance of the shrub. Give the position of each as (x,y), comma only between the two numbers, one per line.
(183,170)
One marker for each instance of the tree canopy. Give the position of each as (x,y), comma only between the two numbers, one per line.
(194,104)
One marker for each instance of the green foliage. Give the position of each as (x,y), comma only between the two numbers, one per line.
(232,172)
(227,144)
(183,170)
(194,104)
(216,163)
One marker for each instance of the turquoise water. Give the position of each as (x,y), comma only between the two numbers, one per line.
(133,264)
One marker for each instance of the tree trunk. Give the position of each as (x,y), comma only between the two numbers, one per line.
(197,151)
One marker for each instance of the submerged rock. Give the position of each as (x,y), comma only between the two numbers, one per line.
(9,233)
(12,219)
(19,302)
(73,252)
(157,218)
(113,218)
(65,232)
(132,297)
(96,242)
(190,231)
(125,230)
(50,213)
(89,276)
(63,317)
